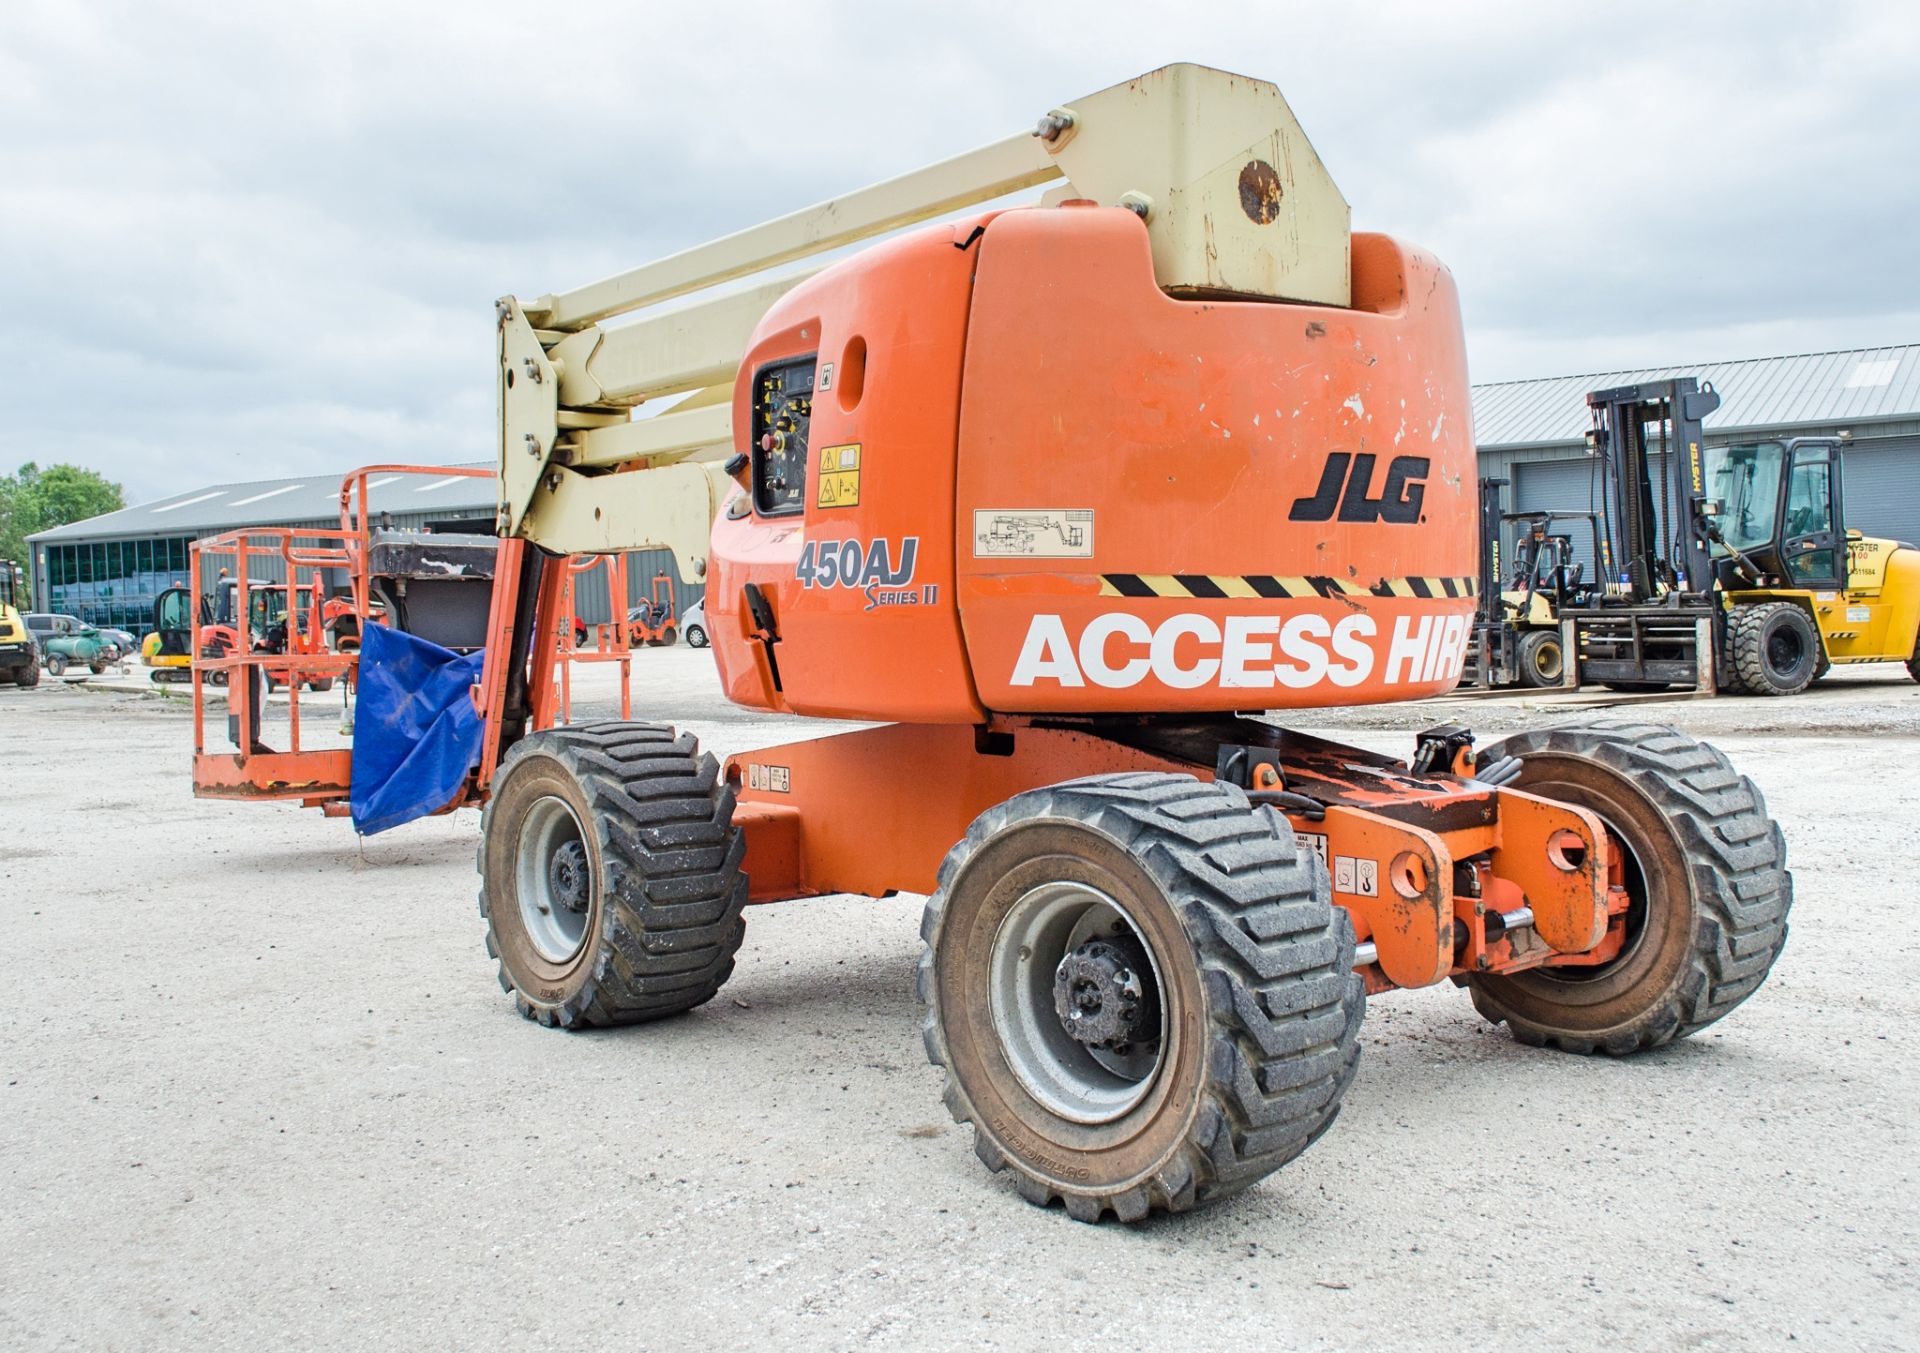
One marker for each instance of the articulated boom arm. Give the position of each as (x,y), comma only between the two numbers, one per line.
(1235,200)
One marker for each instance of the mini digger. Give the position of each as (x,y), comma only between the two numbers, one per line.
(1075,501)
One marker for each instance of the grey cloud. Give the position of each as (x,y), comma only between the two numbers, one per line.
(256,240)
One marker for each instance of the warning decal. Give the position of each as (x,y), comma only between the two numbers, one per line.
(1360,877)
(770,779)
(840,476)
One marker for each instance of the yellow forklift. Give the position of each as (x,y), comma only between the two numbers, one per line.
(1801,593)
(1738,555)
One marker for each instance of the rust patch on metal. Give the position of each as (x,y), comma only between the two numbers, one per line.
(1260,192)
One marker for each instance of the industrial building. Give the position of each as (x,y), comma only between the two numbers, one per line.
(108,569)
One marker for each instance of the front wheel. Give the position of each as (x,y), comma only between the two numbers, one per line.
(610,875)
(56,664)
(1542,660)
(697,638)
(1705,873)
(1772,648)
(1140,992)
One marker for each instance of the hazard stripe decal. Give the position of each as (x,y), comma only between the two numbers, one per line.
(1224,586)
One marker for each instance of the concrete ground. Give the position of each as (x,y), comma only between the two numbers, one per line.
(258,1088)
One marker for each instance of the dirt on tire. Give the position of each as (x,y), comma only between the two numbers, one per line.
(664,915)
(1714,890)
(1263,1009)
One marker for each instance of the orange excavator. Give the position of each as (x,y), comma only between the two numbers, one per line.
(1073,499)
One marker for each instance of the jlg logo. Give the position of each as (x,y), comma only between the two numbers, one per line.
(1398,501)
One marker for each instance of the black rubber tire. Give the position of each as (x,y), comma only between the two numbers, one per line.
(663,922)
(56,664)
(1704,828)
(98,668)
(1268,1036)
(320,685)
(696,637)
(1913,663)
(1637,687)
(1821,668)
(6,677)
(1541,659)
(29,676)
(1772,648)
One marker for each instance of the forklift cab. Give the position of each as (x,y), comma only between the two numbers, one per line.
(1781,510)
(1543,558)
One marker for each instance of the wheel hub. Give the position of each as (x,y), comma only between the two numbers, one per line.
(1100,995)
(567,876)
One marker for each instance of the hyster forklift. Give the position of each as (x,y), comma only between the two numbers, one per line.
(1736,571)
(1516,632)
(1156,914)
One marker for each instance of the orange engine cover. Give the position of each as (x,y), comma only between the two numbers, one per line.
(997,469)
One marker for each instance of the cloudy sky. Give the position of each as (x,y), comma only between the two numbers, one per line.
(246,240)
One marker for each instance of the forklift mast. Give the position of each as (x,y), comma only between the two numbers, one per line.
(1489,580)
(1631,425)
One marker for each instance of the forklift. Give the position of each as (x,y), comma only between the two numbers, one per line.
(1737,574)
(1516,633)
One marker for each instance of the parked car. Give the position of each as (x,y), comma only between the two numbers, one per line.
(693,624)
(122,640)
(66,639)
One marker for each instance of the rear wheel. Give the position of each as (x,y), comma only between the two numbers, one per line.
(611,877)
(98,668)
(1705,868)
(1542,661)
(56,664)
(1140,991)
(321,684)
(1772,648)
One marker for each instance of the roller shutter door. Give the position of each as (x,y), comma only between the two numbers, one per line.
(1882,482)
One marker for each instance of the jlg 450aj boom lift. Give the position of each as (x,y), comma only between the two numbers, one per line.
(1066,496)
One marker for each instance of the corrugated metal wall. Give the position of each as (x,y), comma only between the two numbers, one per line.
(1882,487)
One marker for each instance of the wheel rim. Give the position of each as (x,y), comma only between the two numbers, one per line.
(553,879)
(1546,661)
(1785,650)
(1068,956)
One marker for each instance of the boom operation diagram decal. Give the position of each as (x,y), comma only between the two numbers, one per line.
(1033,533)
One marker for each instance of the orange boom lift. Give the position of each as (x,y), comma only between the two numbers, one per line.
(1070,498)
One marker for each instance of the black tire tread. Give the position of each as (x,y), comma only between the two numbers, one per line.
(1530,644)
(1276,958)
(672,884)
(1743,662)
(1735,853)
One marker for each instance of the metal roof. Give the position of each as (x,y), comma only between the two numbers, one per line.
(1858,385)
(308,500)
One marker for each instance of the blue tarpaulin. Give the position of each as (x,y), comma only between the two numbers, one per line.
(416,732)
